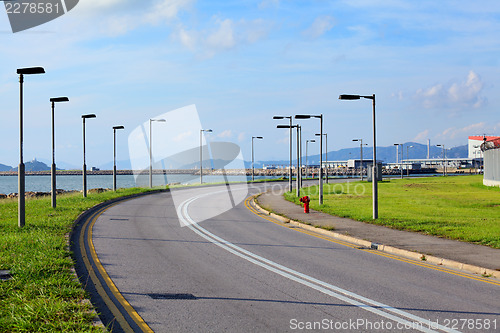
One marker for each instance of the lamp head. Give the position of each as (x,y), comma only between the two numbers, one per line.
(85,116)
(349,97)
(118,127)
(302,116)
(59,99)
(31,70)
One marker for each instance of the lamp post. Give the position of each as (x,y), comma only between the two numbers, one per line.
(298,154)
(306,116)
(290,142)
(360,154)
(408,160)
(326,155)
(307,165)
(397,157)
(53,101)
(444,159)
(151,149)
(375,167)
(254,137)
(85,116)
(20,170)
(114,154)
(201,153)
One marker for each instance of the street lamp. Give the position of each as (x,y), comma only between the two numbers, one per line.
(85,116)
(20,170)
(306,116)
(326,154)
(114,154)
(151,149)
(397,157)
(375,167)
(254,137)
(298,154)
(201,153)
(408,159)
(290,142)
(444,159)
(361,154)
(53,101)
(307,169)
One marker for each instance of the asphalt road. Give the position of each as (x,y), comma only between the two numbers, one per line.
(188,261)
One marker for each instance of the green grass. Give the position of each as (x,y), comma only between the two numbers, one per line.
(453,207)
(43,295)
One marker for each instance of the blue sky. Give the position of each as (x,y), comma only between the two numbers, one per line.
(433,65)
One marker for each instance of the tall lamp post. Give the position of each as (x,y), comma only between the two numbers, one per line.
(85,116)
(53,101)
(375,167)
(114,154)
(254,137)
(408,160)
(307,116)
(290,142)
(20,170)
(201,152)
(307,165)
(397,157)
(298,154)
(444,159)
(326,155)
(360,154)
(151,149)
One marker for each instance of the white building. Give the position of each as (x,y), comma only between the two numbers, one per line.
(475,145)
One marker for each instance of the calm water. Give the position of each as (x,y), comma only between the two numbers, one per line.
(8,184)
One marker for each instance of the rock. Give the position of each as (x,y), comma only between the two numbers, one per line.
(3,196)
(98,190)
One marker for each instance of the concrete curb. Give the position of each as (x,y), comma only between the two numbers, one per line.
(385,248)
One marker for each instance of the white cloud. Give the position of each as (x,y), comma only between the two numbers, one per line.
(241,136)
(320,26)
(225,134)
(464,94)
(182,136)
(223,37)
(424,135)
(268,3)
(473,129)
(166,10)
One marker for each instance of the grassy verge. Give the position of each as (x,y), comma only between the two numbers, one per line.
(453,207)
(42,295)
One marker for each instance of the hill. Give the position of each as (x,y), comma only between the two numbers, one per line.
(385,154)
(34,166)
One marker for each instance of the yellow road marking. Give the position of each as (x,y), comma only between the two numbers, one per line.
(109,282)
(380,253)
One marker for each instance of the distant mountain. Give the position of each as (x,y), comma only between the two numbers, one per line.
(384,154)
(4,167)
(34,166)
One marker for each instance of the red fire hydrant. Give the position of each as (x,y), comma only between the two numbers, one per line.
(305,200)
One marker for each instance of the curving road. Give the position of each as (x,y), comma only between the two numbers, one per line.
(188,261)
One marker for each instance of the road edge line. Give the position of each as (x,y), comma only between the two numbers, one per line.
(384,248)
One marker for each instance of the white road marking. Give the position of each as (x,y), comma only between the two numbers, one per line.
(326,288)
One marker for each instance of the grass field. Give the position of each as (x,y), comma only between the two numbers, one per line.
(43,295)
(458,207)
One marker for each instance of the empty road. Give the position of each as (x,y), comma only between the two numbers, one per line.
(203,260)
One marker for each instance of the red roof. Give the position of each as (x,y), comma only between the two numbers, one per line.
(481,137)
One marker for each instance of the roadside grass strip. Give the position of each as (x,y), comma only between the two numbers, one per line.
(454,207)
(42,293)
